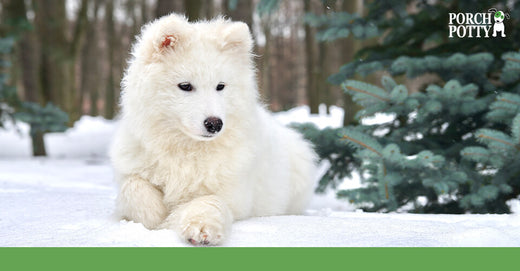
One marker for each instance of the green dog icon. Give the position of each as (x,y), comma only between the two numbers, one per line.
(499,17)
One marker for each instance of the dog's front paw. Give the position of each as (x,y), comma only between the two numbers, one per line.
(203,233)
(203,221)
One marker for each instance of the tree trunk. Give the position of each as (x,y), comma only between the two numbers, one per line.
(144,12)
(26,51)
(265,83)
(193,9)
(59,55)
(243,11)
(27,55)
(50,20)
(324,88)
(350,46)
(90,65)
(209,9)
(110,36)
(165,7)
(131,11)
(75,99)
(312,92)
(38,144)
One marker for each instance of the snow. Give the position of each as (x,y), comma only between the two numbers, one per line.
(321,120)
(68,198)
(89,138)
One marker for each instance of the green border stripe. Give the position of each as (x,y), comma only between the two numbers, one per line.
(258,258)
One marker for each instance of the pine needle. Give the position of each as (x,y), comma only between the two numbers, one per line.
(362,144)
(512,59)
(499,140)
(368,93)
(508,101)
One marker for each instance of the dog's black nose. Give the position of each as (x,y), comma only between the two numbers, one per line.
(213,124)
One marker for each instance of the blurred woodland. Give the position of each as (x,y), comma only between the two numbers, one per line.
(454,138)
(73,52)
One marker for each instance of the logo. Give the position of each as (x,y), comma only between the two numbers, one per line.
(477,25)
(499,19)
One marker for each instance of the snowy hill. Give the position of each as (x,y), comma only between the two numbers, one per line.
(68,200)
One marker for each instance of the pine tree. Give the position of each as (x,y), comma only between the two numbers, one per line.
(41,119)
(452,146)
(8,96)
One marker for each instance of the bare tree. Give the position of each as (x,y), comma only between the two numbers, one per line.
(165,7)
(27,49)
(265,55)
(312,73)
(350,46)
(27,55)
(242,12)
(90,66)
(59,53)
(193,9)
(110,101)
(144,12)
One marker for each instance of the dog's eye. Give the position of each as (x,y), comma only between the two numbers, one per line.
(220,86)
(185,86)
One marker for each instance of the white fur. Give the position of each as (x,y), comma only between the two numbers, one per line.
(170,174)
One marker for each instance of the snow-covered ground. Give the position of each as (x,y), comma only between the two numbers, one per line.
(68,199)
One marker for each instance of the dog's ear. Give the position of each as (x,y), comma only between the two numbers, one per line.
(163,36)
(167,41)
(236,37)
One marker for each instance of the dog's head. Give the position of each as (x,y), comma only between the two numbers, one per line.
(191,75)
(498,16)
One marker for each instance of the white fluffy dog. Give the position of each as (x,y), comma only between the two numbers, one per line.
(195,149)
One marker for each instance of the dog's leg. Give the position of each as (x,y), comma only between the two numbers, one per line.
(203,221)
(140,201)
